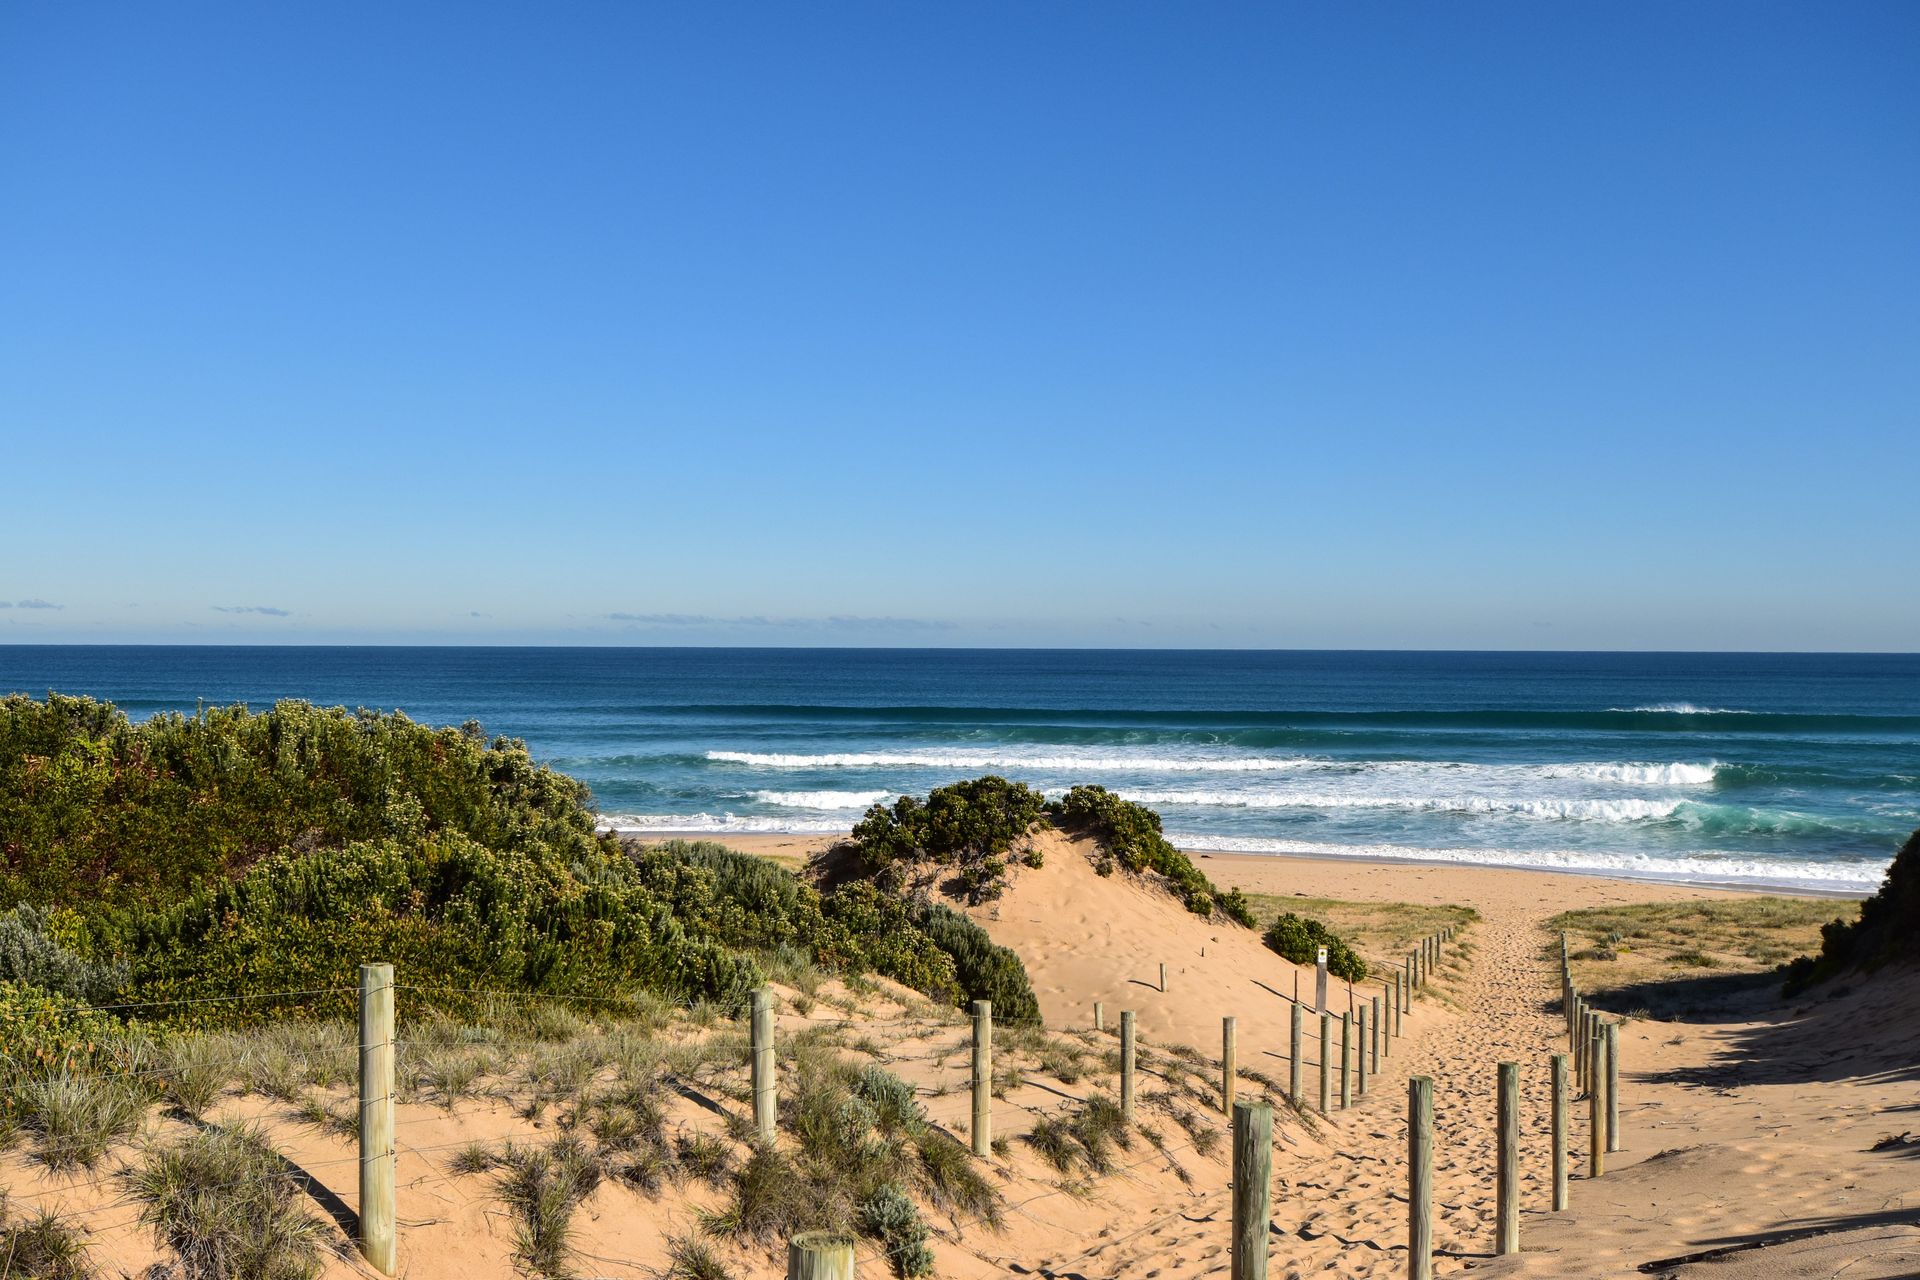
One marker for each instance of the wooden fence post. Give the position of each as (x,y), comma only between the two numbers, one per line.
(1326,1063)
(1229,1061)
(1346,1061)
(1420,1178)
(1507,1175)
(766,1109)
(820,1255)
(1559,1132)
(1375,1042)
(1293,1057)
(1613,1087)
(1163,976)
(1252,1188)
(983,1078)
(1362,1047)
(1099,1015)
(1126,1063)
(378,1210)
(1596,1117)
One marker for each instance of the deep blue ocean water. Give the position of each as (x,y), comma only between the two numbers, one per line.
(1785,769)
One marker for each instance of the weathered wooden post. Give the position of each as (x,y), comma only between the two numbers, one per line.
(1252,1188)
(1596,1115)
(1613,1086)
(1559,1132)
(1229,1061)
(983,1078)
(766,1109)
(378,1211)
(1362,1047)
(1326,1063)
(1126,1063)
(1320,981)
(1579,1044)
(820,1255)
(1506,1238)
(1163,976)
(1374,1043)
(1420,1178)
(1293,1057)
(1099,1015)
(1346,1061)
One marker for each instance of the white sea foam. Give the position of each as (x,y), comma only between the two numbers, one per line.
(1563,808)
(822,799)
(1851,876)
(719,823)
(1661,775)
(1687,709)
(1049,758)
(1068,760)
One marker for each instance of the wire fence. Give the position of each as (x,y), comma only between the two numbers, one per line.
(151,1070)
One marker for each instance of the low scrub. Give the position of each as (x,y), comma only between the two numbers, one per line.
(1887,930)
(972,827)
(1299,939)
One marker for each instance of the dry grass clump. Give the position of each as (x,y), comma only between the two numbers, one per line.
(41,1247)
(543,1186)
(690,1258)
(75,1117)
(197,1070)
(230,1207)
(1084,1141)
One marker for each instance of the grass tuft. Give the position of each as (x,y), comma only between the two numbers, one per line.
(227,1203)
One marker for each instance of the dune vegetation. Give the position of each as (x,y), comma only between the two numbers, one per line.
(184,904)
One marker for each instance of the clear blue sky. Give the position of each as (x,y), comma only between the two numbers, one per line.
(1462,325)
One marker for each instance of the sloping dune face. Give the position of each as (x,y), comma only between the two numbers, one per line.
(1085,937)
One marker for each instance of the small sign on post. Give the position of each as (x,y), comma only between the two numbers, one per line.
(1320,982)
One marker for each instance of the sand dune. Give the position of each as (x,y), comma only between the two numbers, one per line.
(1755,1124)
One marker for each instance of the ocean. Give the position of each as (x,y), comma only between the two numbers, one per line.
(1789,770)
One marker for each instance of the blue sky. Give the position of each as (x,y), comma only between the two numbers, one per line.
(1470,325)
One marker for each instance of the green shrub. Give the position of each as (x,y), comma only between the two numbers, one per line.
(1888,928)
(31,957)
(95,808)
(983,969)
(1299,938)
(1130,835)
(971,826)
(890,1217)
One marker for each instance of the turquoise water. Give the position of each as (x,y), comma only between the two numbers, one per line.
(1791,770)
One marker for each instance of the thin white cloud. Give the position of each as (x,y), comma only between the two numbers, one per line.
(265,609)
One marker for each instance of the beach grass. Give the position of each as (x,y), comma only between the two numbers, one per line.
(1644,943)
(1382,932)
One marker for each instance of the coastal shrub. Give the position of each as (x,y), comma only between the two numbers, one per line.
(96,809)
(1888,928)
(31,956)
(1299,939)
(461,914)
(971,826)
(983,969)
(889,1216)
(1130,835)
